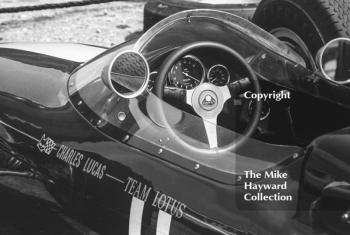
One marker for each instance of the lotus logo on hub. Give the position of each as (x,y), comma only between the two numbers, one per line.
(277,96)
(208,101)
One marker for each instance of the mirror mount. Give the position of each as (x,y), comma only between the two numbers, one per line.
(127,74)
(333,60)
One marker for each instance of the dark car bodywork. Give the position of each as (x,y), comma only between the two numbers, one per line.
(126,176)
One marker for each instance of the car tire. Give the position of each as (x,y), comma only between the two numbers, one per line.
(314,22)
(152,14)
(156,10)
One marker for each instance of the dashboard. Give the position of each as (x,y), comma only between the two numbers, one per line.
(196,68)
(220,69)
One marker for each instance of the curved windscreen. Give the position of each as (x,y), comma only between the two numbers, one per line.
(136,121)
(215,26)
(270,58)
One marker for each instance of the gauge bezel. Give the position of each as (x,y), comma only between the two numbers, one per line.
(108,79)
(222,66)
(195,58)
(262,118)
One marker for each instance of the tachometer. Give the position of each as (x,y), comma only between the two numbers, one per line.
(187,73)
(219,75)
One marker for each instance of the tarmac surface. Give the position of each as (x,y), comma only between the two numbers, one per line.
(104,24)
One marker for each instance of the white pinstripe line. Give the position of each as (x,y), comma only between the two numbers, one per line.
(23,133)
(135,220)
(163,223)
(116,179)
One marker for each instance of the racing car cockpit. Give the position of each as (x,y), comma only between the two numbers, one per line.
(207,90)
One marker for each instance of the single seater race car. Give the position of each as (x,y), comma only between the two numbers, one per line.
(206,124)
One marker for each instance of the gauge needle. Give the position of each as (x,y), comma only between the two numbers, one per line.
(187,75)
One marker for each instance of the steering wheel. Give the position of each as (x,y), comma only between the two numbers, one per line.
(208,99)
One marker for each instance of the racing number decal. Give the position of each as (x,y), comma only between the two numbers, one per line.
(135,220)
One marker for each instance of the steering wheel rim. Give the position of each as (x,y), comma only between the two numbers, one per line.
(161,82)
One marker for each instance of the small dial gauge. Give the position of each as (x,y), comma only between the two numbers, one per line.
(187,73)
(219,75)
(265,109)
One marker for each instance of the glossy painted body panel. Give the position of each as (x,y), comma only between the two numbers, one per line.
(34,101)
(89,171)
(67,51)
(327,164)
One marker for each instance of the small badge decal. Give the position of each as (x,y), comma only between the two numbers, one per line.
(46,145)
(208,101)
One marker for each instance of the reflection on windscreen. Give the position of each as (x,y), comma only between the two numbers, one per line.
(125,83)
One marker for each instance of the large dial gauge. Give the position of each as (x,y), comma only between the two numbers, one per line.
(219,75)
(187,73)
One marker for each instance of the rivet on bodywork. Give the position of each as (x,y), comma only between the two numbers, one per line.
(126,138)
(295,155)
(80,102)
(99,122)
(160,151)
(346,217)
(121,116)
(162,6)
(167,139)
(197,166)
(189,19)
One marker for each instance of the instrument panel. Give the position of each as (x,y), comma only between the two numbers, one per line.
(190,71)
(219,75)
(193,69)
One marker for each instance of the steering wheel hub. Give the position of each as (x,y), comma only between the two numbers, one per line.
(207,100)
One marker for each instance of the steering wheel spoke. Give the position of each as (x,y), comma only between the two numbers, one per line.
(226,93)
(210,126)
(188,96)
(238,87)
